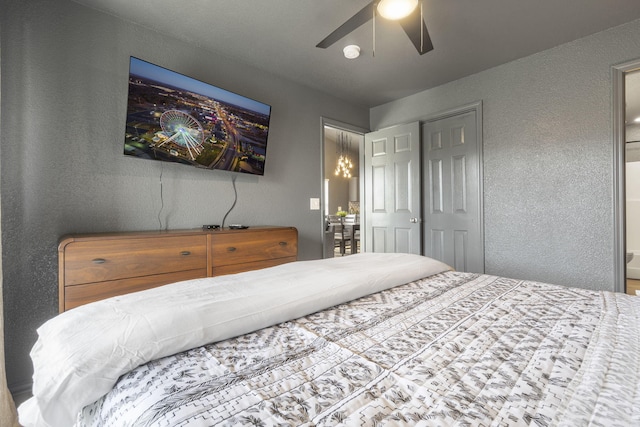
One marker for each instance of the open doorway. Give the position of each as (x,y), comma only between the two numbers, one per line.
(626,94)
(632,181)
(341,188)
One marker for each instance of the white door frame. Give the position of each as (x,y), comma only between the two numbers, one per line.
(619,198)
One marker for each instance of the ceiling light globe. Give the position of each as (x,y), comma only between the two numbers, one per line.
(396,9)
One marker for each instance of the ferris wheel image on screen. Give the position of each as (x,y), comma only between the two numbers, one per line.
(184,130)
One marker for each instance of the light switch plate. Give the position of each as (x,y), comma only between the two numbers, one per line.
(314,204)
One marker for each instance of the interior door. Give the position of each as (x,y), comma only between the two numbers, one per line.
(453,229)
(392,190)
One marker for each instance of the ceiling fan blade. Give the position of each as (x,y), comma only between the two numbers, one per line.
(352,23)
(411,25)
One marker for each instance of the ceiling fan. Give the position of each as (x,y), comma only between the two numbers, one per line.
(406,12)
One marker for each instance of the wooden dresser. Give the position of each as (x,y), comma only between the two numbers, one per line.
(92,267)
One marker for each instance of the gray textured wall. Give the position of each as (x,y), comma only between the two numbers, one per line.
(64,94)
(548,156)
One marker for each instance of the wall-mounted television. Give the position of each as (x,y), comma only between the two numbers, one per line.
(175,118)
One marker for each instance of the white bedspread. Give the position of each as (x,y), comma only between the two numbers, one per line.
(455,349)
(81,353)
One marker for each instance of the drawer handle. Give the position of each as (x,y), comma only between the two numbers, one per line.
(283,243)
(185,253)
(99,261)
(231,249)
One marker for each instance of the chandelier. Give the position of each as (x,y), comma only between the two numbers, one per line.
(343,147)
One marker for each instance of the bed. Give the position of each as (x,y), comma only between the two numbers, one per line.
(365,340)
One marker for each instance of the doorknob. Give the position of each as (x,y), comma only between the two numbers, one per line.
(414,220)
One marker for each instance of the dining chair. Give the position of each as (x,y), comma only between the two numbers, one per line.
(352,226)
(341,236)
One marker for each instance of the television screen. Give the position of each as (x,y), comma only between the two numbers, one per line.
(175,118)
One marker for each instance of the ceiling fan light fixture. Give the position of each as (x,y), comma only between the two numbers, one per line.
(396,9)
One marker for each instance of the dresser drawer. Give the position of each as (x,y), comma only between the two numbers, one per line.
(221,270)
(89,261)
(77,295)
(247,247)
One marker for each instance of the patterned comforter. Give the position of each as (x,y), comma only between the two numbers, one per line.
(452,349)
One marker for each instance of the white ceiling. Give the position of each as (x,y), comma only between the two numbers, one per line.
(279,36)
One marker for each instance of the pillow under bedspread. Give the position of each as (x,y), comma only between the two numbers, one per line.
(81,353)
